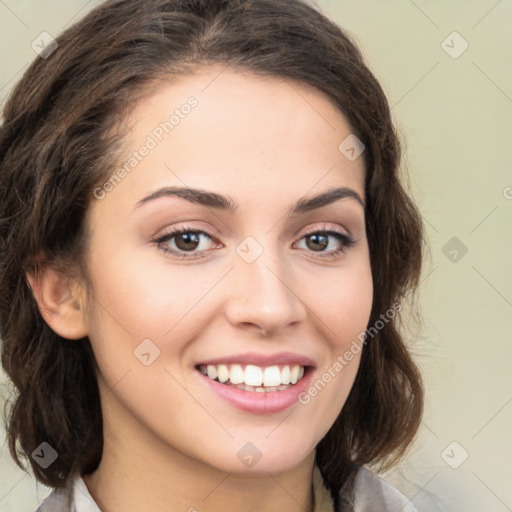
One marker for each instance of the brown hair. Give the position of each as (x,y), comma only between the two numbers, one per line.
(60,139)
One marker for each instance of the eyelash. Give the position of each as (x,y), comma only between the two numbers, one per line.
(346,242)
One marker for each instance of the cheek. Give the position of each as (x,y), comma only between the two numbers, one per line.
(145,300)
(345,304)
(345,311)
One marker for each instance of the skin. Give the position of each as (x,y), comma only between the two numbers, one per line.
(171,444)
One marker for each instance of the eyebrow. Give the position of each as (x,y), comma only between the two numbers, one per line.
(226,203)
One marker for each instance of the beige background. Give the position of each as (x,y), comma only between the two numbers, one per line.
(456,117)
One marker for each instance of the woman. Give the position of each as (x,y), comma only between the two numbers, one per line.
(205,245)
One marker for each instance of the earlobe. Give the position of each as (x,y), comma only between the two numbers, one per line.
(59,302)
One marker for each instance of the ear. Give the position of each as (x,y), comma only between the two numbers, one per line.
(61,302)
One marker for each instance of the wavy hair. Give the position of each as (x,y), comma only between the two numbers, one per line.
(60,139)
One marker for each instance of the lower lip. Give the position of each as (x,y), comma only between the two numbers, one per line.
(266,402)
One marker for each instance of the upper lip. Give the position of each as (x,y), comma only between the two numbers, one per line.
(263,360)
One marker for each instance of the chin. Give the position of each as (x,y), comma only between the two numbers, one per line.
(262,456)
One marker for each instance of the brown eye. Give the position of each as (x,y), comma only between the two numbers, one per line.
(318,241)
(187,240)
(184,243)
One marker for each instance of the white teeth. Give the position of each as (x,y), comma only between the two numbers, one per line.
(212,371)
(285,375)
(222,372)
(294,374)
(271,376)
(253,378)
(236,374)
(253,375)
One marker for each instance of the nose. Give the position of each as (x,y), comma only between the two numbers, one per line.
(263,296)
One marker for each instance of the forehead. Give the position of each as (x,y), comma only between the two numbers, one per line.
(226,96)
(219,128)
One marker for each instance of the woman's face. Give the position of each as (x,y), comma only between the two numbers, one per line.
(250,290)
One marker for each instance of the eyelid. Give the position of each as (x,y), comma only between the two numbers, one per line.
(214,234)
(325,226)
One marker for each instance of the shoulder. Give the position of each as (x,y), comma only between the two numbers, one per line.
(59,500)
(367,492)
(75,497)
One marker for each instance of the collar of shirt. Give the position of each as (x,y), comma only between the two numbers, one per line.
(84,502)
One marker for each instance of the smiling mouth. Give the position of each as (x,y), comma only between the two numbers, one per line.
(254,378)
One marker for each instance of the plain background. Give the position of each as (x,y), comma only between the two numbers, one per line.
(456,118)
